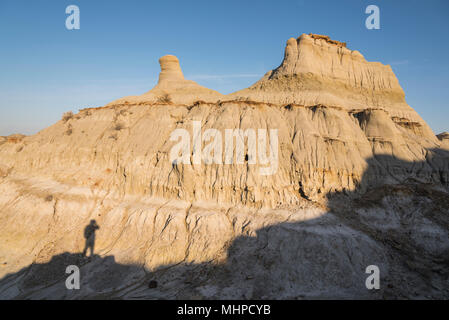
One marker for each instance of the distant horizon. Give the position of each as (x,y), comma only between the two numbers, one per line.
(48,70)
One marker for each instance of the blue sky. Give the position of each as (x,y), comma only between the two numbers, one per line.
(46,70)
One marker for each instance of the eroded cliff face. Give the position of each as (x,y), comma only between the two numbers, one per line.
(126,150)
(343,129)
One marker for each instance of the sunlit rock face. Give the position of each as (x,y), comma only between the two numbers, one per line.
(172,88)
(317,70)
(360,179)
(170,69)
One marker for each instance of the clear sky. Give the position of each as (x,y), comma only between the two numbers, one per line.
(46,70)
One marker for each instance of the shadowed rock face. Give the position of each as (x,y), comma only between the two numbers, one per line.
(361,180)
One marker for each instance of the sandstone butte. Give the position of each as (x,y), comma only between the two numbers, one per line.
(361,180)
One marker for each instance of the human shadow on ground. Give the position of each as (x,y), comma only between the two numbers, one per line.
(396,219)
(89,235)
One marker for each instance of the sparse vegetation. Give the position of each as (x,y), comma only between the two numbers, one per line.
(119,126)
(165,99)
(113,136)
(67,116)
(120,112)
(196,104)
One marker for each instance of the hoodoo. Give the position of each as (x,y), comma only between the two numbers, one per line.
(170,70)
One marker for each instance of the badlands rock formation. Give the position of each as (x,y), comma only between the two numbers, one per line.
(444,137)
(360,180)
(172,88)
